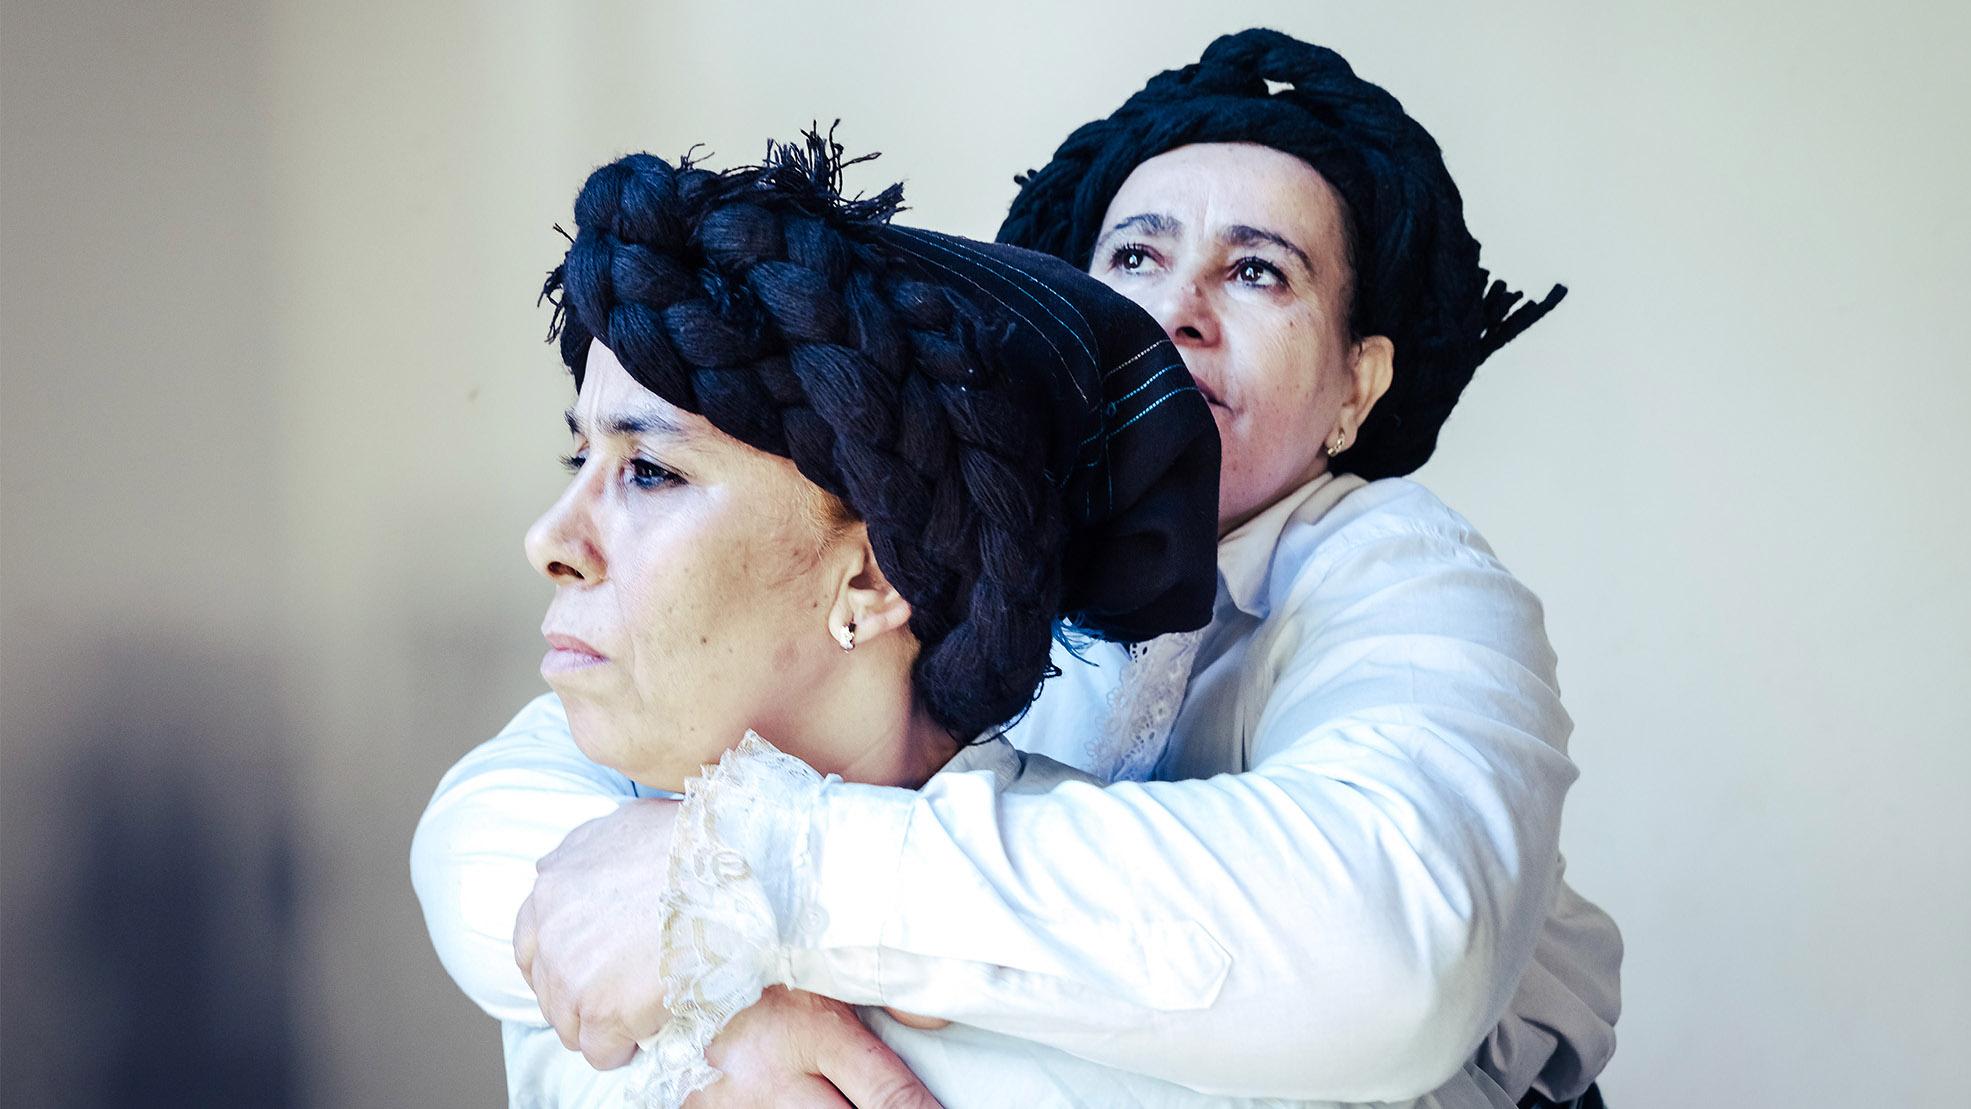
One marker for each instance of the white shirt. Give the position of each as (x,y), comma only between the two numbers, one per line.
(961,1066)
(1364,899)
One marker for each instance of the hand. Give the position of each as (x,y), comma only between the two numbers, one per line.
(589,939)
(794,1048)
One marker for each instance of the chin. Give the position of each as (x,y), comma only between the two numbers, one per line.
(595,737)
(637,752)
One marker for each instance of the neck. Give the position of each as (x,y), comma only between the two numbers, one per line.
(905,754)
(1229,524)
(866,722)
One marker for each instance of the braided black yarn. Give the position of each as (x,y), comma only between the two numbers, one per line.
(764,300)
(1417,277)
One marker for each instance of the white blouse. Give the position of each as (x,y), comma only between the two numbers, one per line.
(961,1066)
(1363,904)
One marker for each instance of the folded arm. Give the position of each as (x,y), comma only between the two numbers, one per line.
(1346,921)
(495,814)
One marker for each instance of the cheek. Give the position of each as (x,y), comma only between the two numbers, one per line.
(716,611)
(1137,287)
(1278,378)
(663,586)
(1287,384)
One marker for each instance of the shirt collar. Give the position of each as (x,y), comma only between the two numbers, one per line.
(1245,555)
(991,752)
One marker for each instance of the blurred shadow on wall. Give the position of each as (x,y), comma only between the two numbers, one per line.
(153,963)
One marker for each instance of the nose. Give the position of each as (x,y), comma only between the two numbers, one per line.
(562,543)
(1187,314)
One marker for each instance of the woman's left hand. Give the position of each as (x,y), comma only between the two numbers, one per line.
(796,1048)
(589,939)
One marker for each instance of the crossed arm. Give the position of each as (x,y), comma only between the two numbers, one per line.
(1345,921)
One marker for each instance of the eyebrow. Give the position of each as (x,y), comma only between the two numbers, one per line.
(641,421)
(1160,224)
(1242,235)
(1152,223)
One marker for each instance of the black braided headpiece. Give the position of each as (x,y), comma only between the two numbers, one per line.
(1416,274)
(1023,445)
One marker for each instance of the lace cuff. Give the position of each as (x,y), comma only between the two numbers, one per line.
(738,847)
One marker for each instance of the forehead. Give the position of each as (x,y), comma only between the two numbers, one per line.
(608,391)
(1208,186)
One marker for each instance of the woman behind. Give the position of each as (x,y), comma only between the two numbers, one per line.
(1359,801)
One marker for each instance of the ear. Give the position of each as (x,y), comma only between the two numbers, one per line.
(866,598)
(1370,371)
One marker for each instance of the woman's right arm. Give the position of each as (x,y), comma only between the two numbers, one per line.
(506,804)
(511,801)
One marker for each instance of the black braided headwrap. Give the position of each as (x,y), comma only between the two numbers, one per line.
(1023,444)
(1416,274)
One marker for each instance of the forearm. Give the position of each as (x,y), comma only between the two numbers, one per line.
(964,1066)
(1346,920)
(494,815)
(1291,932)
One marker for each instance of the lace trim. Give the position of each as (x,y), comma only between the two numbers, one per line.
(722,924)
(1144,705)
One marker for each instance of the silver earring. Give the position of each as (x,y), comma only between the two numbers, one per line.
(1340,444)
(846,636)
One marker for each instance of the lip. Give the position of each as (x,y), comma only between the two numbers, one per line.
(567,652)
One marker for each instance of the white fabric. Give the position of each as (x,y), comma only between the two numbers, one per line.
(961,1066)
(721,918)
(1344,916)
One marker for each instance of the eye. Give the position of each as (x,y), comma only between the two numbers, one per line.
(645,474)
(1131,258)
(640,472)
(1258,273)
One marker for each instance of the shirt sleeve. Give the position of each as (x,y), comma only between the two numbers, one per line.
(542,1074)
(1346,921)
(495,814)
(960,1065)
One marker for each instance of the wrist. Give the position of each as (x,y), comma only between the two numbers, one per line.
(730,900)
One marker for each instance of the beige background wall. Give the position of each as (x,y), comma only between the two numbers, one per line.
(276,411)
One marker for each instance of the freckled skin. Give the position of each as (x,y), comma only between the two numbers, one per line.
(726,558)
(715,599)
(784,656)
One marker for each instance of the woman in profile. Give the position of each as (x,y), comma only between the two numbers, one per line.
(1327,867)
